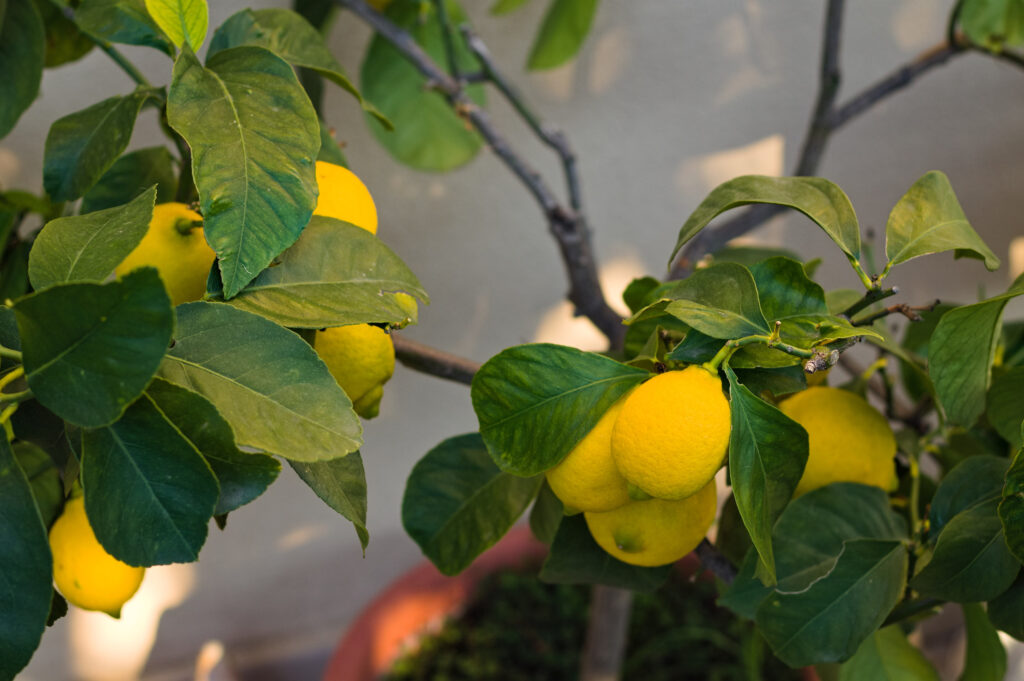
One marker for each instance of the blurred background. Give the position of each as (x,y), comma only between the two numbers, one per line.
(666,100)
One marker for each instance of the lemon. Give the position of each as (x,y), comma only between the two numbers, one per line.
(672,433)
(587,479)
(343,196)
(361,358)
(657,531)
(850,441)
(178,251)
(85,574)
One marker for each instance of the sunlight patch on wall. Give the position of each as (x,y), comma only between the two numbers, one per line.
(704,173)
(1016,257)
(609,60)
(556,84)
(301,536)
(915,23)
(10,167)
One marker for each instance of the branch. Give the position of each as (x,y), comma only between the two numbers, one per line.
(428,360)
(907,311)
(567,225)
(447,39)
(715,562)
(607,628)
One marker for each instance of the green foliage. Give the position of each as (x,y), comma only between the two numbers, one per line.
(562,33)
(64,42)
(130,175)
(122,21)
(1011,507)
(986,657)
(994,24)
(22,51)
(183,21)
(887,654)
(341,484)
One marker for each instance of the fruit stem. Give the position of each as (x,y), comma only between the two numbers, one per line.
(10,354)
(184,226)
(772,341)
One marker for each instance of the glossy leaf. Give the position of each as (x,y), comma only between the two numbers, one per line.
(89,247)
(122,21)
(1005,405)
(535,402)
(22,51)
(335,274)
(995,24)
(887,654)
(64,42)
(25,568)
(90,349)
(242,476)
(427,134)
(785,290)
(183,21)
(130,174)
(546,514)
(975,480)
(575,558)
(820,200)
(149,494)
(341,484)
(928,219)
(1011,507)
(43,477)
(562,33)
(457,503)
(767,454)
(1006,611)
(245,365)
(829,620)
(254,137)
(986,658)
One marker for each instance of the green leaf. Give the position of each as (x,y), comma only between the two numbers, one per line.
(290,36)
(457,503)
(546,514)
(975,480)
(986,658)
(25,567)
(335,274)
(245,365)
(330,151)
(242,476)
(90,349)
(575,558)
(80,147)
(961,353)
(929,219)
(254,137)
(64,42)
(767,454)
(149,494)
(1011,508)
(1005,405)
(887,654)
(1007,610)
(994,24)
(535,402)
(829,620)
(89,247)
(785,290)
(131,174)
(817,198)
(122,21)
(43,477)
(971,561)
(184,21)
(506,6)
(341,484)
(562,33)
(427,134)
(22,51)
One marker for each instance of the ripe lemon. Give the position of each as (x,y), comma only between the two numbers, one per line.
(343,196)
(850,441)
(83,571)
(361,358)
(672,433)
(178,251)
(587,479)
(656,531)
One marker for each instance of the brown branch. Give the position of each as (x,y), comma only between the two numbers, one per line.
(907,311)
(432,361)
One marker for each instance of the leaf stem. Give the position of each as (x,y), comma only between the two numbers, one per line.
(915,495)
(868,282)
(908,609)
(771,340)
(871,297)
(5,417)
(11,377)
(10,354)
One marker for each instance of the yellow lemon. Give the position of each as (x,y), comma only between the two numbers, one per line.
(850,441)
(672,433)
(343,196)
(361,358)
(177,249)
(656,531)
(587,479)
(85,574)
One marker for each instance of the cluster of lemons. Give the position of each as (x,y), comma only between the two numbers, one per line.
(643,477)
(360,357)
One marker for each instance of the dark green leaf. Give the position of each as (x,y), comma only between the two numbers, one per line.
(14,272)
(786,291)
(746,592)
(341,484)
(64,42)
(1005,405)
(90,349)
(22,51)
(637,293)
(316,12)
(888,655)
(732,539)
(995,24)
(43,477)
(546,514)
(575,558)
(457,503)
(779,381)
(183,21)
(330,151)
(562,33)
(129,175)
(767,454)
(149,494)
(335,274)
(122,21)
(506,6)
(986,658)
(248,365)
(58,609)
(1007,610)
(829,620)
(535,402)
(89,247)
(818,199)
(25,567)
(242,476)
(427,134)
(929,219)
(695,348)
(751,255)
(254,137)
(80,147)
(1011,508)
(975,480)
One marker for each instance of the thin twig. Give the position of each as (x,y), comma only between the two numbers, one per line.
(870,298)
(907,311)
(447,39)
(715,562)
(428,360)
